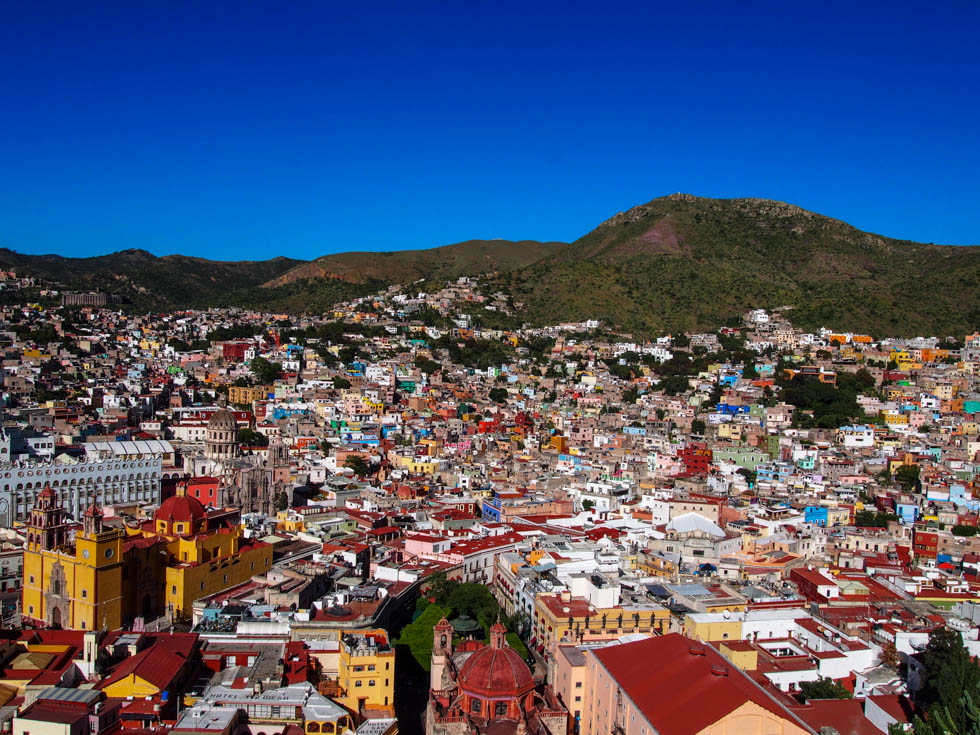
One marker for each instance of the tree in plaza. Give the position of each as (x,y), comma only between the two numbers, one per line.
(950,673)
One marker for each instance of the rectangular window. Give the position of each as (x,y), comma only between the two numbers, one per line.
(173,589)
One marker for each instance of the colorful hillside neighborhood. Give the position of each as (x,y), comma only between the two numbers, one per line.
(417,513)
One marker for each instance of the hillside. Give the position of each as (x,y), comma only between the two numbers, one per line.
(683,262)
(677,263)
(147,280)
(470,258)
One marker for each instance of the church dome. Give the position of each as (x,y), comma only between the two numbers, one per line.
(496,671)
(180,509)
(223,420)
(221,436)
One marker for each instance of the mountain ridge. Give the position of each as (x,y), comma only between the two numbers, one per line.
(686,262)
(445,261)
(675,262)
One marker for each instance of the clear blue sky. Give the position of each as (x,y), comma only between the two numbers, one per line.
(253,129)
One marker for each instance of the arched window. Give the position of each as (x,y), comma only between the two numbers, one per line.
(476,706)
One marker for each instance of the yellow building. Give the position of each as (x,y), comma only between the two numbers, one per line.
(242,395)
(366,672)
(652,565)
(205,553)
(895,418)
(741,653)
(418,466)
(713,627)
(562,618)
(71,586)
(109,576)
(730,431)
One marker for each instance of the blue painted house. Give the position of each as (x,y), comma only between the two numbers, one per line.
(816,514)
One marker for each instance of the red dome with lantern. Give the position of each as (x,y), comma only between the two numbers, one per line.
(494,681)
(180,515)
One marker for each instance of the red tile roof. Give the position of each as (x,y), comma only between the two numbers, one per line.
(158,664)
(844,715)
(694,688)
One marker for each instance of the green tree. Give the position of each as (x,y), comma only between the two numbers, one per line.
(961,530)
(698,426)
(251,438)
(265,372)
(823,688)
(949,673)
(498,395)
(341,383)
(864,378)
(283,501)
(674,385)
(417,636)
(427,366)
(907,476)
(872,519)
(587,504)
(358,465)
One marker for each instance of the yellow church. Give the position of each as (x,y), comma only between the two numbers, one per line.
(105,577)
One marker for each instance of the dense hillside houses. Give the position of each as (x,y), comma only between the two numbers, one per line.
(234,521)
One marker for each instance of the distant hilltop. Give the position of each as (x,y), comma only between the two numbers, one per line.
(677,262)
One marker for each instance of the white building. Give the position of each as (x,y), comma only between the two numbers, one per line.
(127,480)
